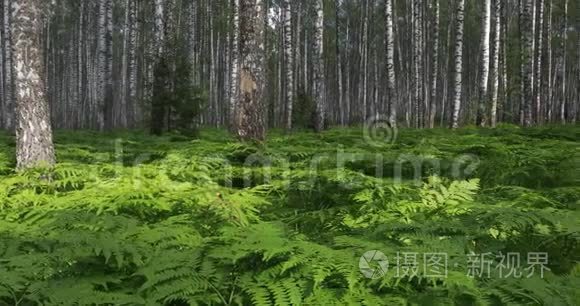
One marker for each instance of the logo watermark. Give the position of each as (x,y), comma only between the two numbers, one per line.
(375,264)
(379,131)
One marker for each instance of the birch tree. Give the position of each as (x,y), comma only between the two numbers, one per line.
(363,93)
(105,61)
(318,66)
(458,62)
(434,64)
(577,104)
(34,145)
(2,98)
(249,114)
(527,60)
(8,67)
(390,60)
(484,63)
(339,66)
(235,49)
(563,63)
(537,99)
(497,8)
(548,83)
(288,63)
(418,61)
(132,64)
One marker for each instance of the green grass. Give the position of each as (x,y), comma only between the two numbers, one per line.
(131,219)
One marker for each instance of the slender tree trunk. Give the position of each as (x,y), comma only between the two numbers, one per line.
(527,60)
(249,114)
(9,116)
(458,78)
(160,70)
(105,57)
(506,93)
(548,85)
(390,60)
(34,145)
(577,105)
(364,61)
(484,62)
(418,60)
(132,66)
(2,69)
(125,65)
(497,8)
(538,62)
(563,60)
(318,65)
(435,65)
(288,63)
(339,67)
(235,80)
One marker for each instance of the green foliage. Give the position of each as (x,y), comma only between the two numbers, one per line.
(176,102)
(130,219)
(304,111)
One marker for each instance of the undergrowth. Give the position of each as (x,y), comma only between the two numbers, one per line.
(129,219)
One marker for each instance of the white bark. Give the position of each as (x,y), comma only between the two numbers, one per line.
(484,62)
(390,60)
(458,78)
(249,113)
(235,79)
(318,65)
(563,67)
(538,62)
(435,65)
(288,63)
(527,60)
(8,69)
(34,145)
(418,62)
(495,62)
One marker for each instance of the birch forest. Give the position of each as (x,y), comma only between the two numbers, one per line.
(423,64)
(289,152)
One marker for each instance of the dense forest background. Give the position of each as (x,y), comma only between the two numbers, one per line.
(519,62)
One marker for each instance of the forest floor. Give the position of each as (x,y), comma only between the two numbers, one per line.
(348,217)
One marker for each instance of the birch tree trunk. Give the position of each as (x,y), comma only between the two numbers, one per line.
(563,67)
(390,60)
(105,58)
(318,66)
(538,63)
(577,103)
(549,58)
(484,62)
(9,116)
(364,60)
(435,65)
(506,94)
(497,8)
(2,84)
(125,66)
(132,66)
(235,68)
(288,63)
(339,66)
(160,70)
(34,145)
(527,60)
(418,60)
(458,59)
(249,112)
